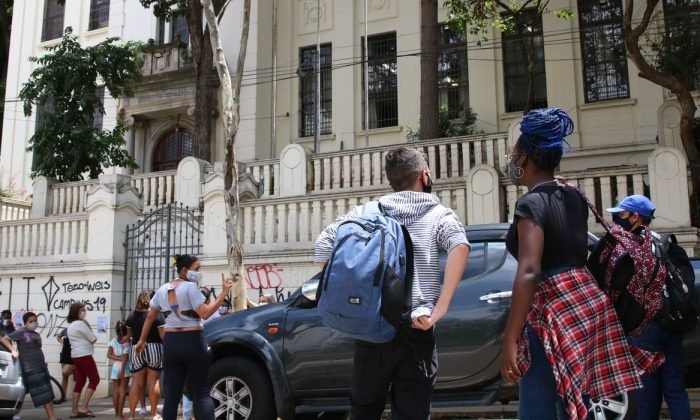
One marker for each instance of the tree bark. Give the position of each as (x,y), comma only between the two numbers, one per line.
(429,100)
(231,91)
(203,57)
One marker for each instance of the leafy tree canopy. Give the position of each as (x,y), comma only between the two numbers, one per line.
(478,16)
(67,146)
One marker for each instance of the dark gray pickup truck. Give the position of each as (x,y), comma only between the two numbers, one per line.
(280,360)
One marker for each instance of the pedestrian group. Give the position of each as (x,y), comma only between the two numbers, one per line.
(563,342)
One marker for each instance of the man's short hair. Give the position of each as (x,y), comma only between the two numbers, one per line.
(403,165)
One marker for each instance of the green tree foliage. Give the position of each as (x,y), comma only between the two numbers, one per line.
(449,127)
(67,146)
(677,52)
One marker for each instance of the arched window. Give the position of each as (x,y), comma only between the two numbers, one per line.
(171,149)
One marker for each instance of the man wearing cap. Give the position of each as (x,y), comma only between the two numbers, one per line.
(631,214)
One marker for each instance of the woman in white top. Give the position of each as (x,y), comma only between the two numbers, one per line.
(184,348)
(82,347)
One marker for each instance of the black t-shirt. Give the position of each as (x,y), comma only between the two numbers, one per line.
(136,320)
(563,216)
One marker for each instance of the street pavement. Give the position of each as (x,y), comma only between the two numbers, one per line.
(103,410)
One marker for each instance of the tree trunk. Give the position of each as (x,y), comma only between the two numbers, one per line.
(203,57)
(530,52)
(429,101)
(688,108)
(231,92)
(646,71)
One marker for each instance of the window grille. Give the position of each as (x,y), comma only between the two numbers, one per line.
(382,81)
(453,75)
(99,14)
(605,75)
(53,20)
(680,14)
(526,35)
(307,90)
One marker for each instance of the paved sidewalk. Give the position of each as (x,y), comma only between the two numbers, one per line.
(101,407)
(103,410)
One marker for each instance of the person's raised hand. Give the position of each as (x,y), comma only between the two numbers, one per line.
(226,284)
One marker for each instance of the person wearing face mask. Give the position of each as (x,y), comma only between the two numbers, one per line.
(634,214)
(146,366)
(7,326)
(408,364)
(82,347)
(185,355)
(35,373)
(559,319)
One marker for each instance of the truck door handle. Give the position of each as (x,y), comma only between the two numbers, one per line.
(496,296)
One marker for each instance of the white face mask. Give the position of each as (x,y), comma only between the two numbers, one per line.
(223,310)
(32,326)
(6,322)
(194,276)
(81,315)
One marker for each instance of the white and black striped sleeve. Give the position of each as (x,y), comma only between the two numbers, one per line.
(450,231)
(326,240)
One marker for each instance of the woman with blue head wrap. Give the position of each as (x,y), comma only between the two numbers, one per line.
(562,339)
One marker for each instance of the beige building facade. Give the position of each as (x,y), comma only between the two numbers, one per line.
(619,118)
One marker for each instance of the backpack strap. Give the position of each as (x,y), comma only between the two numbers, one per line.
(599,218)
(372,207)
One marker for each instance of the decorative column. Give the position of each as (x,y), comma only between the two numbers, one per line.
(293,170)
(483,195)
(41,199)
(668,181)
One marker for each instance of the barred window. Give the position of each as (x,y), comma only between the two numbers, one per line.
(453,77)
(53,20)
(524,37)
(177,26)
(97,117)
(307,90)
(605,75)
(680,16)
(382,82)
(99,14)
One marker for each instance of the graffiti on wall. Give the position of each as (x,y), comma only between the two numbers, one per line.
(52,299)
(266,279)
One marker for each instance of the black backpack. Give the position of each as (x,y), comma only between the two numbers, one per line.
(680,309)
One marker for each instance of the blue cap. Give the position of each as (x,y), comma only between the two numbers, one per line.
(636,204)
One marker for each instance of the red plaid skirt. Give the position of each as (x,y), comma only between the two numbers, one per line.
(583,341)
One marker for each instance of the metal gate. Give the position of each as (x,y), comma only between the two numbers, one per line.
(163,233)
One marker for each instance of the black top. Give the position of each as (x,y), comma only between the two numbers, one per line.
(563,216)
(65,350)
(136,320)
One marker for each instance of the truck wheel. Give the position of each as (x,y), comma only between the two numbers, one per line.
(241,390)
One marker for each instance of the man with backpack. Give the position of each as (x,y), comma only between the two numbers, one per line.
(407,363)
(664,333)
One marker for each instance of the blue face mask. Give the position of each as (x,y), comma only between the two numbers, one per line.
(626,224)
(194,276)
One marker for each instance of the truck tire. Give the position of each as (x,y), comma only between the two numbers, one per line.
(240,389)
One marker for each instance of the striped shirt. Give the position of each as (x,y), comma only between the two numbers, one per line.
(431,225)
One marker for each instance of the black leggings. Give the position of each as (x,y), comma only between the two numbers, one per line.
(185,357)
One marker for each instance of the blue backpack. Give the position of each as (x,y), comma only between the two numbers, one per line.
(365,288)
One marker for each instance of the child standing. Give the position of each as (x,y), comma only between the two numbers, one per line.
(34,371)
(118,351)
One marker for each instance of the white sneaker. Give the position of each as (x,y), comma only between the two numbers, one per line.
(143,412)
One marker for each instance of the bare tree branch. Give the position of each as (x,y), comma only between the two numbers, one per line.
(223,9)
